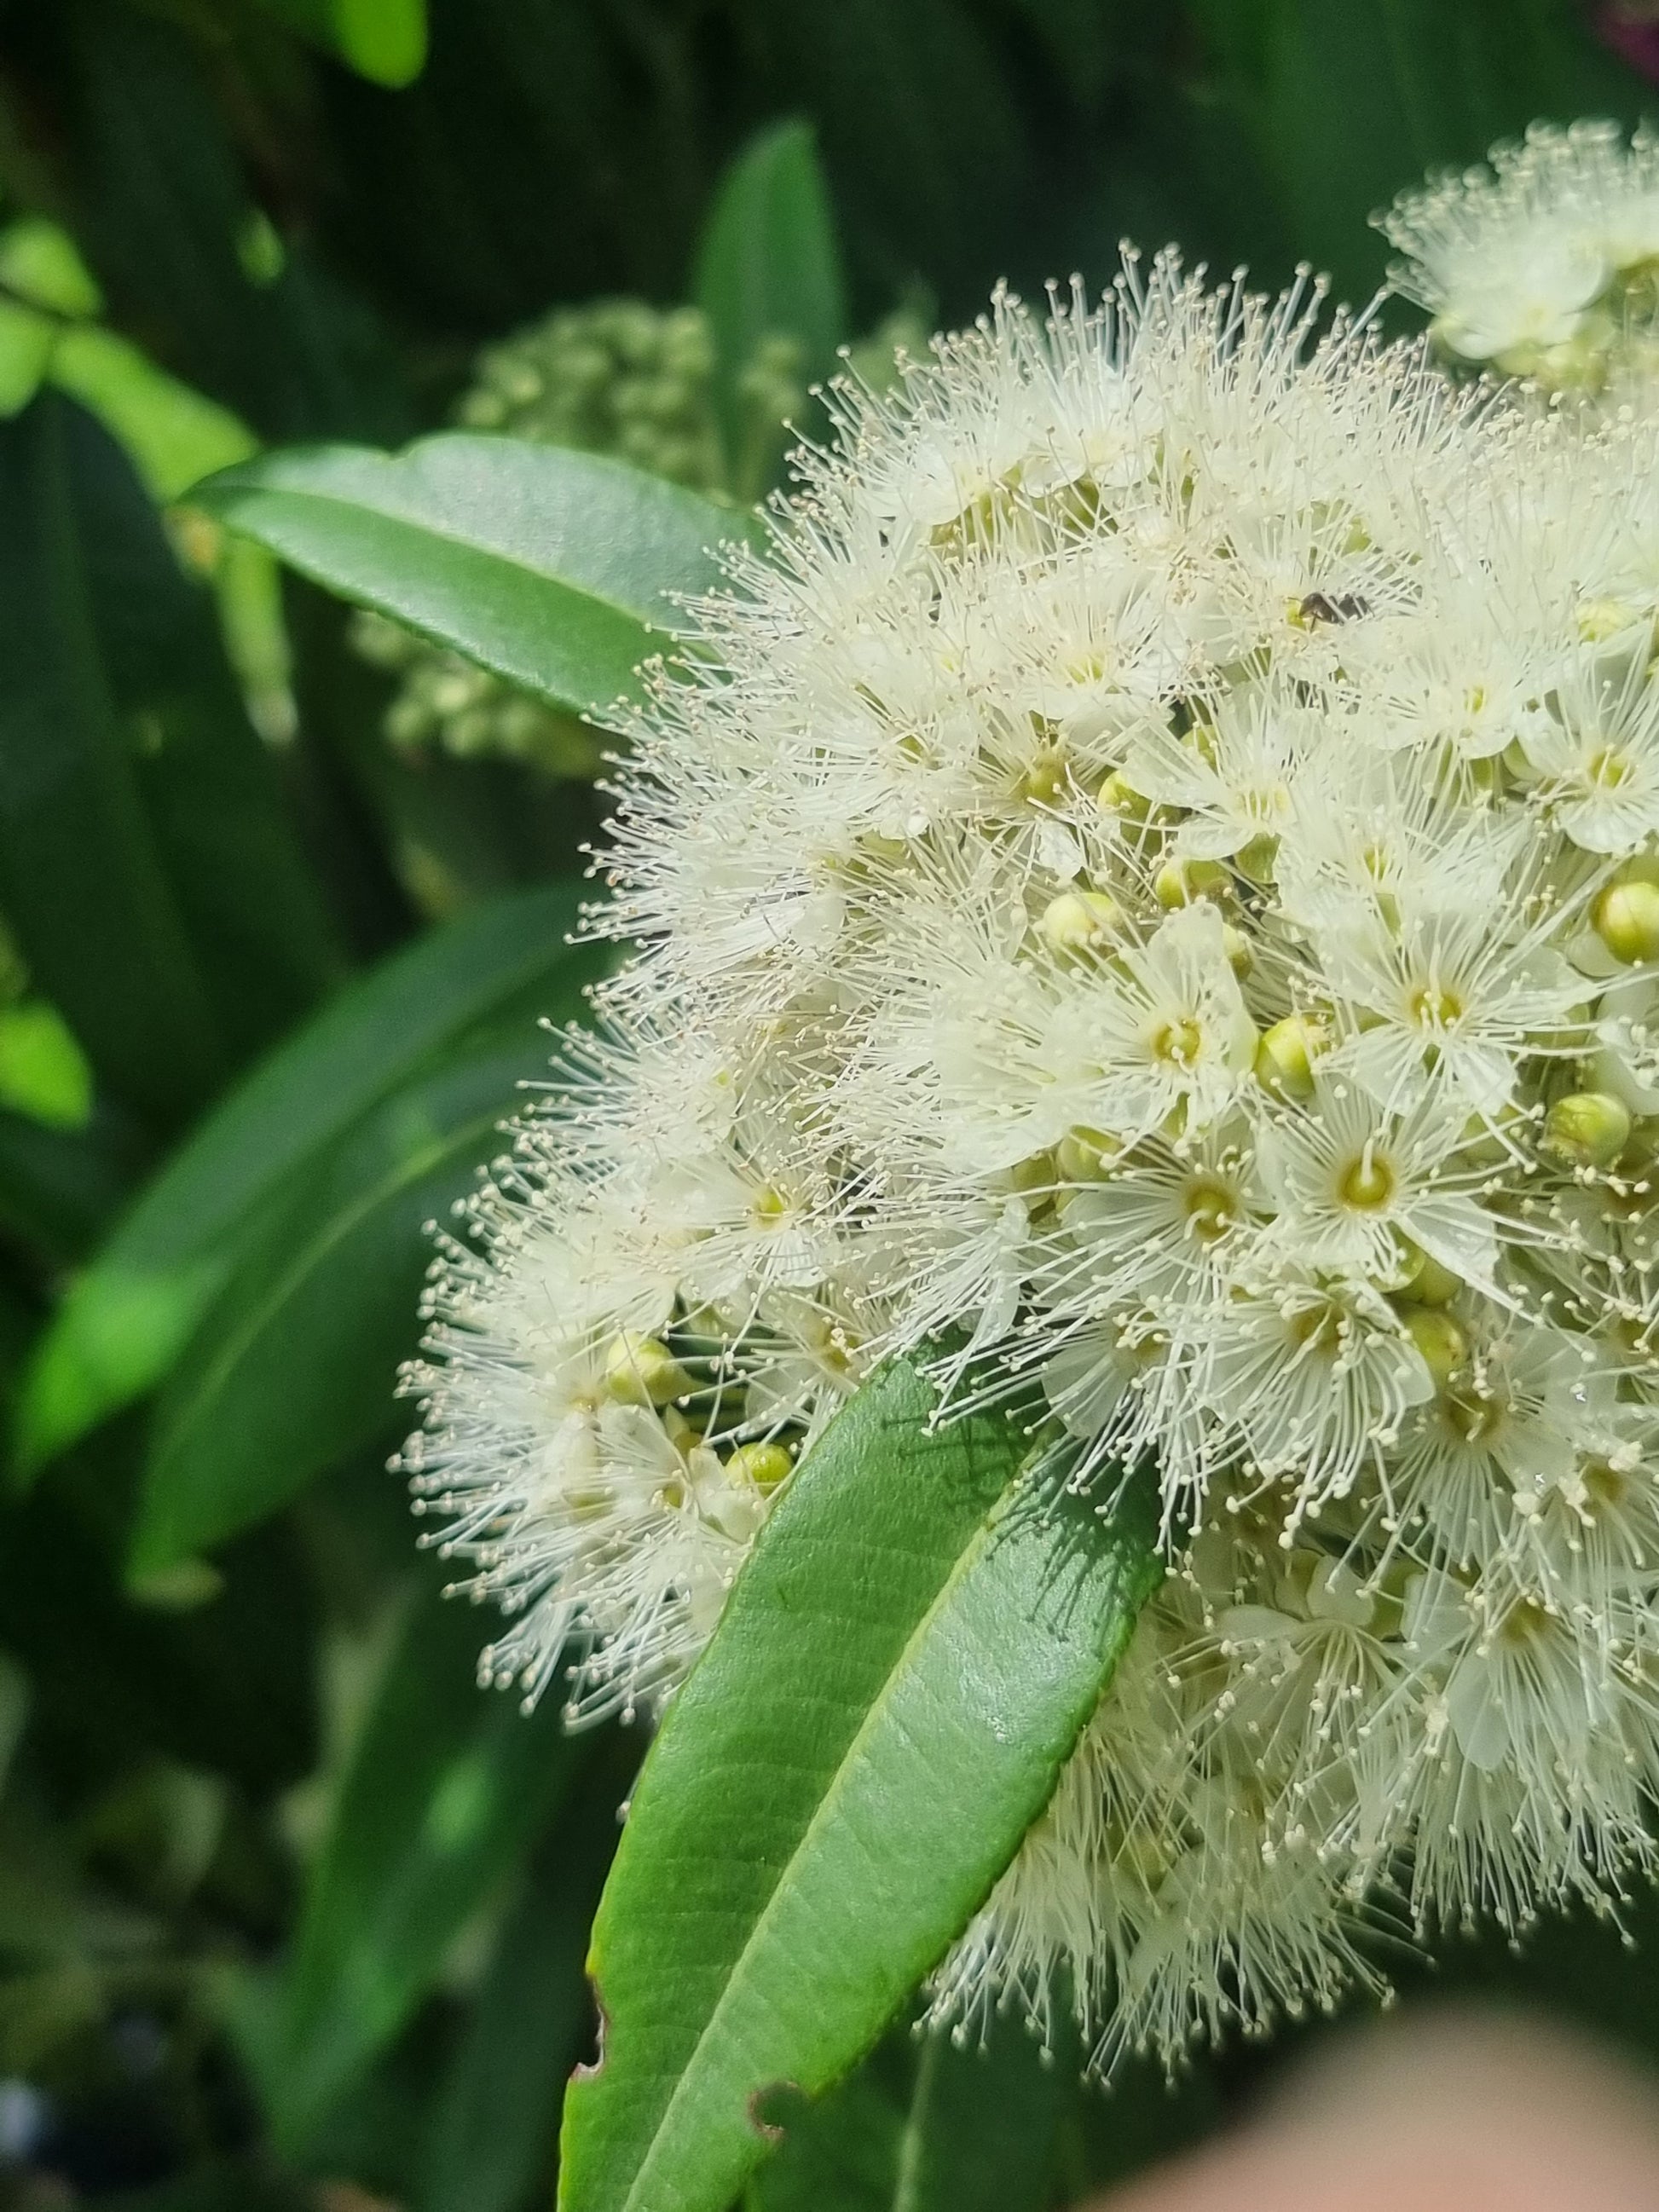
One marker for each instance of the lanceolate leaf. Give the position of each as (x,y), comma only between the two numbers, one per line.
(209,786)
(449,1787)
(294,1365)
(496,2113)
(126,1321)
(82,879)
(546,565)
(769,266)
(902,1666)
(927,2124)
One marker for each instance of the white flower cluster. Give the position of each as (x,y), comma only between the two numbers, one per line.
(1546,264)
(1156,873)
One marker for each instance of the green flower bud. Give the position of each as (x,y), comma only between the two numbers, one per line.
(1442,1341)
(1117,797)
(1286,1056)
(1588,1127)
(641,1370)
(1085,1155)
(1427,1283)
(1079,924)
(1179,882)
(762,1466)
(1625,917)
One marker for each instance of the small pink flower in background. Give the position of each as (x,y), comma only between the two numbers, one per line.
(1631,27)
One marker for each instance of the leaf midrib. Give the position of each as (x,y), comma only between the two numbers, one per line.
(685,2086)
(426,529)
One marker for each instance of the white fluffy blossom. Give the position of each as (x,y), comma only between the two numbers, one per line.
(1541,264)
(1156,871)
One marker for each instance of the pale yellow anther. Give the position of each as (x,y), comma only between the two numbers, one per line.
(1589,1128)
(1286,1056)
(1625,917)
(1080,923)
(1604,618)
(762,1466)
(1179,882)
(1439,1339)
(641,1370)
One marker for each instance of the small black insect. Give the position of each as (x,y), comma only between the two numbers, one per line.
(1317,608)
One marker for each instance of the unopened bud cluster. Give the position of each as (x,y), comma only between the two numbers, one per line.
(616,377)
(1153,883)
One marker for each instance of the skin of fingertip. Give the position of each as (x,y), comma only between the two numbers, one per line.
(1456,2114)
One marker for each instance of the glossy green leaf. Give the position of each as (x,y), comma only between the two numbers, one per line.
(448,1789)
(241,883)
(295,1362)
(382,40)
(546,565)
(82,879)
(769,267)
(126,1321)
(929,2126)
(901,1667)
(984,2128)
(496,2115)
(840,2154)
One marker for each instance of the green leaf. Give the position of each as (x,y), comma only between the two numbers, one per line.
(39,262)
(26,341)
(1349,102)
(927,2125)
(768,266)
(449,1787)
(546,565)
(60,1188)
(295,1362)
(901,1667)
(242,884)
(42,1072)
(174,435)
(384,40)
(82,881)
(226,1685)
(126,1321)
(496,2115)
(983,2132)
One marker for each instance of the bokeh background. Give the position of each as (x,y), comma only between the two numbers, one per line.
(291,1914)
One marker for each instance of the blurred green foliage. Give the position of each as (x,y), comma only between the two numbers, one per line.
(290,1914)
